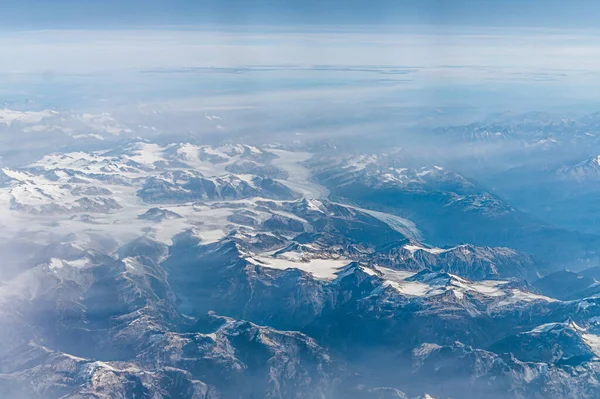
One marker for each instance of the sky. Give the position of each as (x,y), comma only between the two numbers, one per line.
(79,36)
(239,53)
(44,14)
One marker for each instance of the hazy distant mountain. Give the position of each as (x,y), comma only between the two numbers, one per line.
(163,270)
(448,208)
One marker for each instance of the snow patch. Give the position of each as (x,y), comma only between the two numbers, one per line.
(593,341)
(55,264)
(325,269)
(415,248)
(8,116)
(147,154)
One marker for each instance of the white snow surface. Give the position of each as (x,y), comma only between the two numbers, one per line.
(37,201)
(438,283)
(8,116)
(434,251)
(325,269)
(593,342)
(56,182)
(147,154)
(299,181)
(299,176)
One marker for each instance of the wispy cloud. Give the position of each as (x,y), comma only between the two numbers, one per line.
(499,53)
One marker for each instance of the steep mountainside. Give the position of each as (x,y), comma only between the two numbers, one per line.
(166,271)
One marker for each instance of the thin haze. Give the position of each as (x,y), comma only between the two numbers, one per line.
(271,63)
(330,170)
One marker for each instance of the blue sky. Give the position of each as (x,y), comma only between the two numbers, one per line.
(98,14)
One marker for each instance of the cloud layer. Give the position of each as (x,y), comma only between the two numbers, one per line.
(442,52)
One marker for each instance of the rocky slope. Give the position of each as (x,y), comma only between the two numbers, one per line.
(203,280)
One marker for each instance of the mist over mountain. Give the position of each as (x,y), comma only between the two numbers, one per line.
(295,201)
(244,270)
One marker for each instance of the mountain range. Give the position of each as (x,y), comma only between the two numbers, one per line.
(182,270)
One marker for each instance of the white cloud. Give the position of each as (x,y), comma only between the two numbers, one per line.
(494,53)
